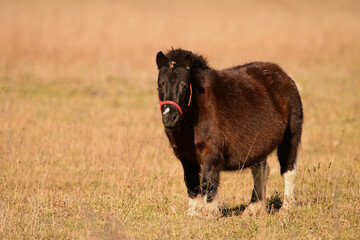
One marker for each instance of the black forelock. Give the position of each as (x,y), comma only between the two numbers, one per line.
(178,56)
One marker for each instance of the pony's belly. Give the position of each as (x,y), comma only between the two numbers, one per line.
(249,151)
(242,162)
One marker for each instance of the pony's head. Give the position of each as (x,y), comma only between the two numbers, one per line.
(174,86)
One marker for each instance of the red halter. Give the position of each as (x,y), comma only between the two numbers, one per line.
(175,104)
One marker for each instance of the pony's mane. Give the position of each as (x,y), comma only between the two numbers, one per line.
(178,55)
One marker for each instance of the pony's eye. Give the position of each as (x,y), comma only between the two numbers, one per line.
(185,86)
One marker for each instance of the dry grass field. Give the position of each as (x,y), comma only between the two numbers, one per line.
(83,154)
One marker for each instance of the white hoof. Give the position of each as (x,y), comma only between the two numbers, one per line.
(210,210)
(288,204)
(200,208)
(255,209)
(195,205)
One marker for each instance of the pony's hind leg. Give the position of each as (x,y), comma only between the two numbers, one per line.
(287,153)
(257,205)
(289,194)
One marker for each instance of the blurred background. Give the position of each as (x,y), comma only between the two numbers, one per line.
(82,148)
(95,39)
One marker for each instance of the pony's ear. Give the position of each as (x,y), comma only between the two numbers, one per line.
(188,61)
(161,59)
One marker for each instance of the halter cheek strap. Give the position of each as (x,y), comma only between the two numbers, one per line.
(175,104)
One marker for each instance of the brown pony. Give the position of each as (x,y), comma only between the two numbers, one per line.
(231,119)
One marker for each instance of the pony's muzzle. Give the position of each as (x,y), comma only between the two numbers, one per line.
(170,117)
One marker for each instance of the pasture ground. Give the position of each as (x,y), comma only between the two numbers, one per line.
(83,154)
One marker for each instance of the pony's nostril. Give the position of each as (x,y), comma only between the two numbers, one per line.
(174,117)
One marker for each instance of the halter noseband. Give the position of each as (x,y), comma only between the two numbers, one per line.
(175,104)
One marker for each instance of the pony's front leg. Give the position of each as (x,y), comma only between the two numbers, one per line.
(192,181)
(209,184)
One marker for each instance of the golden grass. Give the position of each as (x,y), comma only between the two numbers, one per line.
(82,148)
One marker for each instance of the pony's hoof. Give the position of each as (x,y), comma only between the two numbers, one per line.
(193,212)
(288,204)
(195,205)
(198,207)
(210,210)
(255,209)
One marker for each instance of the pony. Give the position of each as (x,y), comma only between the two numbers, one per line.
(227,120)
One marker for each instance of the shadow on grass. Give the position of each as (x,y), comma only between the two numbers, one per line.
(233,211)
(273,205)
